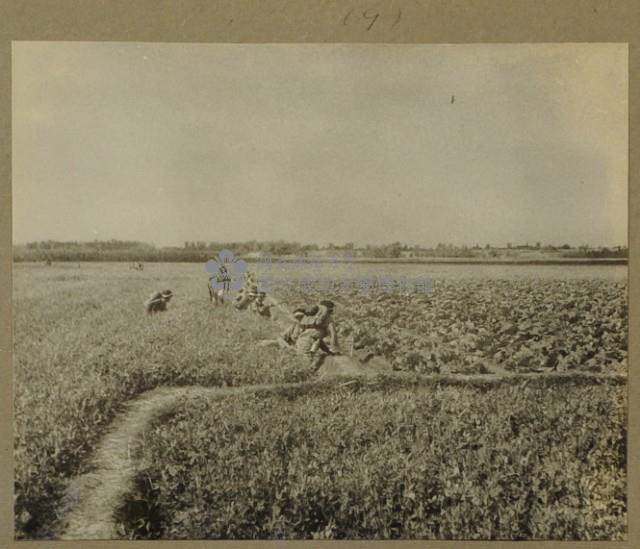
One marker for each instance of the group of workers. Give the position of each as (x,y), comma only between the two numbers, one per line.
(310,332)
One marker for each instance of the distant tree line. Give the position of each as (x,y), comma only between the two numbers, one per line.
(271,247)
(97,250)
(113,244)
(200,251)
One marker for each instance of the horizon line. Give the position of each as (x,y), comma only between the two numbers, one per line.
(329,245)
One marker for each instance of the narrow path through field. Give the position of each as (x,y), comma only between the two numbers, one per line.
(88,506)
(87,510)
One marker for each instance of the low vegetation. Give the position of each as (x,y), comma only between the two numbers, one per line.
(84,346)
(533,461)
(474,326)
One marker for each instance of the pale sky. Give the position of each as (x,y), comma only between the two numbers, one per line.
(320,143)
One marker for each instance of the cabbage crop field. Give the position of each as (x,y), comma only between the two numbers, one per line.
(492,404)
(479,325)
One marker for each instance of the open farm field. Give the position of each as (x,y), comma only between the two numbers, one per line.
(548,451)
(449,319)
(369,462)
(84,346)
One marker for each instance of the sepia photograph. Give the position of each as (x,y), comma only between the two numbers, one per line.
(320,291)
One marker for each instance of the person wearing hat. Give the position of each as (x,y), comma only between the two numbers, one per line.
(246,295)
(316,328)
(287,339)
(260,307)
(158,301)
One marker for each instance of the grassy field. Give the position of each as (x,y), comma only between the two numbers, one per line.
(513,462)
(84,347)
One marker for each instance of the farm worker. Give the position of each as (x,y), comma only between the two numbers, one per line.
(287,339)
(158,301)
(216,296)
(252,290)
(260,307)
(241,300)
(311,312)
(246,295)
(317,327)
(291,334)
(250,282)
(224,277)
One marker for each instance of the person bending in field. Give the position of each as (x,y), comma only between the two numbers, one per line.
(260,307)
(287,339)
(241,301)
(316,328)
(246,296)
(158,301)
